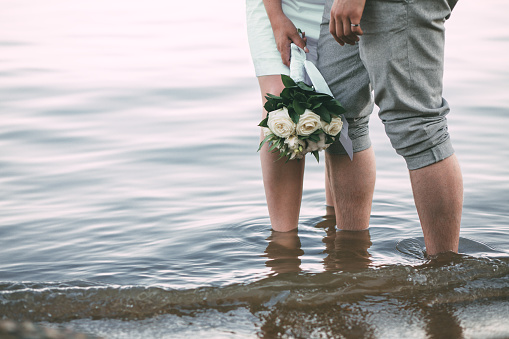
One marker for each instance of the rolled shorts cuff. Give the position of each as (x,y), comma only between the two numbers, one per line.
(358,131)
(359,144)
(430,156)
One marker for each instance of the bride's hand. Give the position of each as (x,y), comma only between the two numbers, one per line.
(285,33)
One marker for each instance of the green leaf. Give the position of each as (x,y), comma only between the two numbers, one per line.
(320,109)
(272,96)
(294,115)
(329,139)
(304,86)
(333,103)
(287,81)
(325,115)
(299,107)
(314,137)
(274,150)
(321,97)
(317,156)
(287,94)
(274,146)
(267,138)
(270,106)
(282,155)
(300,97)
(263,123)
(335,107)
(315,106)
(261,145)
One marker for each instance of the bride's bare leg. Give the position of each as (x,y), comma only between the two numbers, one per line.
(282,181)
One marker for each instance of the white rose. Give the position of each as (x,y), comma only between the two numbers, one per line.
(321,144)
(294,142)
(317,146)
(266,132)
(280,123)
(334,127)
(308,123)
(296,155)
(312,146)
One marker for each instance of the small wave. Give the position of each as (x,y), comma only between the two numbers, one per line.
(416,248)
(463,279)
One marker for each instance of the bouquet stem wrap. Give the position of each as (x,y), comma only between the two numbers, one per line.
(305,71)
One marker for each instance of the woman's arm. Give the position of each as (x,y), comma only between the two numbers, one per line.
(284,30)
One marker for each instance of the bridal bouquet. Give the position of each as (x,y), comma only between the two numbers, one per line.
(300,120)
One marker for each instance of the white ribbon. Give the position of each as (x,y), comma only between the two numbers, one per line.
(302,70)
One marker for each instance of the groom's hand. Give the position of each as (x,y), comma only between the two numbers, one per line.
(344,14)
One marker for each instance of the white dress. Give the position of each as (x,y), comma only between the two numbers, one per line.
(305,14)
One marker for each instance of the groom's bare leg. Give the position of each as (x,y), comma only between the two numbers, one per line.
(405,61)
(438,194)
(329,199)
(352,184)
(348,80)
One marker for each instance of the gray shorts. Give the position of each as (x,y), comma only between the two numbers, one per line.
(401,55)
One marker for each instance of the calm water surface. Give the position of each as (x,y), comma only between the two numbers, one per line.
(132,204)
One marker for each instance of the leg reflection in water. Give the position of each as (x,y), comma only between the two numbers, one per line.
(346,250)
(442,322)
(283,252)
